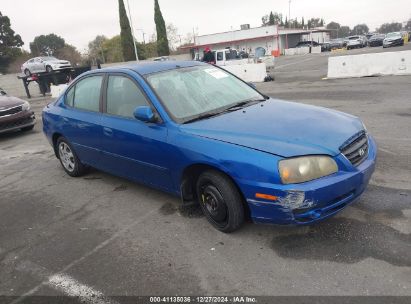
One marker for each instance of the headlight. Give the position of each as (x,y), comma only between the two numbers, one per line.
(25,106)
(307,168)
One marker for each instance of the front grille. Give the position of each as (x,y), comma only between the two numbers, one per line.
(15,124)
(11,111)
(356,150)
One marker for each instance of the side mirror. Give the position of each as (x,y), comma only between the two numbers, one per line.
(252,85)
(145,114)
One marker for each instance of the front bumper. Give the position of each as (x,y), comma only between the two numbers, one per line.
(313,201)
(393,43)
(18,121)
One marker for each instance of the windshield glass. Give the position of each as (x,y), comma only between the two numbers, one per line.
(392,35)
(49,58)
(195,91)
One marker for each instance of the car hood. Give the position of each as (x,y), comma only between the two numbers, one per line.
(282,128)
(9,102)
(57,62)
(392,38)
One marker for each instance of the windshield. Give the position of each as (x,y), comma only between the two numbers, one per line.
(393,35)
(49,58)
(195,91)
(354,37)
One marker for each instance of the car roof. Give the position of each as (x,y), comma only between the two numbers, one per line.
(151,67)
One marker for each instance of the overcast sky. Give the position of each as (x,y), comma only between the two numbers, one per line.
(79,21)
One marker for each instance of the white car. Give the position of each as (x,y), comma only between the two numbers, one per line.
(44,64)
(354,42)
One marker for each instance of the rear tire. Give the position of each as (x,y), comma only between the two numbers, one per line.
(27,72)
(68,158)
(220,200)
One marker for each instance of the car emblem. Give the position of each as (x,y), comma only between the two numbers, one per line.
(362,152)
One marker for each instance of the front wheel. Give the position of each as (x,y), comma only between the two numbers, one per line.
(49,69)
(27,72)
(68,159)
(220,201)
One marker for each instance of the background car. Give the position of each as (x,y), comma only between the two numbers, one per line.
(376,40)
(355,42)
(15,114)
(44,64)
(393,39)
(306,44)
(338,43)
(325,47)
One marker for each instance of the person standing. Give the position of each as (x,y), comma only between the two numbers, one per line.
(209,56)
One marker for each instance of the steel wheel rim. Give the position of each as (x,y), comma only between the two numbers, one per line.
(66,157)
(214,205)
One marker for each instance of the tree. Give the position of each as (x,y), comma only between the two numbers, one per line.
(408,26)
(389,27)
(70,53)
(271,20)
(95,48)
(286,22)
(315,22)
(162,41)
(360,29)
(46,45)
(112,49)
(173,37)
(10,43)
(302,22)
(127,45)
(344,31)
(334,27)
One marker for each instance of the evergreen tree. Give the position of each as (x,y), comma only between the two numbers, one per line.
(127,44)
(271,20)
(10,43)
(162,41)
(302,22)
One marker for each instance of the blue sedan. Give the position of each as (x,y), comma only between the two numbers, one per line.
(197,131)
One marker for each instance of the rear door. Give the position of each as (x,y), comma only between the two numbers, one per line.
(81,118)
(132,148)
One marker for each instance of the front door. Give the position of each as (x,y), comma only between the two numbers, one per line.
(132,148)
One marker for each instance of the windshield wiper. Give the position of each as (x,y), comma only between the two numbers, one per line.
(201,117)
(241,104)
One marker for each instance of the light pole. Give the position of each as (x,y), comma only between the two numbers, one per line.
(144,35)
(289,11)
(132,31)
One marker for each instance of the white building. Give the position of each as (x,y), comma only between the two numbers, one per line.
(273,39)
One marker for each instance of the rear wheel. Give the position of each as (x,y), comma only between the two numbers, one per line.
(220,201)
(68,158)
(27,72)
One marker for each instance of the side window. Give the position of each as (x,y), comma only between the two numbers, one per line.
(70,97)
(85,94)
(220,56)
(123,96)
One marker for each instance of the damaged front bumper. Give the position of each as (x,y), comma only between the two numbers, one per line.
(312,201)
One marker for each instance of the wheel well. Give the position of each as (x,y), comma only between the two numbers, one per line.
(56,136)
(190,177)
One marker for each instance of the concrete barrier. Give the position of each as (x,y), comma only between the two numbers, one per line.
(56,91)
(316,50)
(388,63)
(250,72)
(297,51)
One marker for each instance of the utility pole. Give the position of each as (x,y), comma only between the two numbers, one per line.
(132,31)
(289,12)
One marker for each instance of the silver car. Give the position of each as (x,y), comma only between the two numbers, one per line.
(44,64)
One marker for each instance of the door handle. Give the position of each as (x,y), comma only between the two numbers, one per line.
(108,132)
